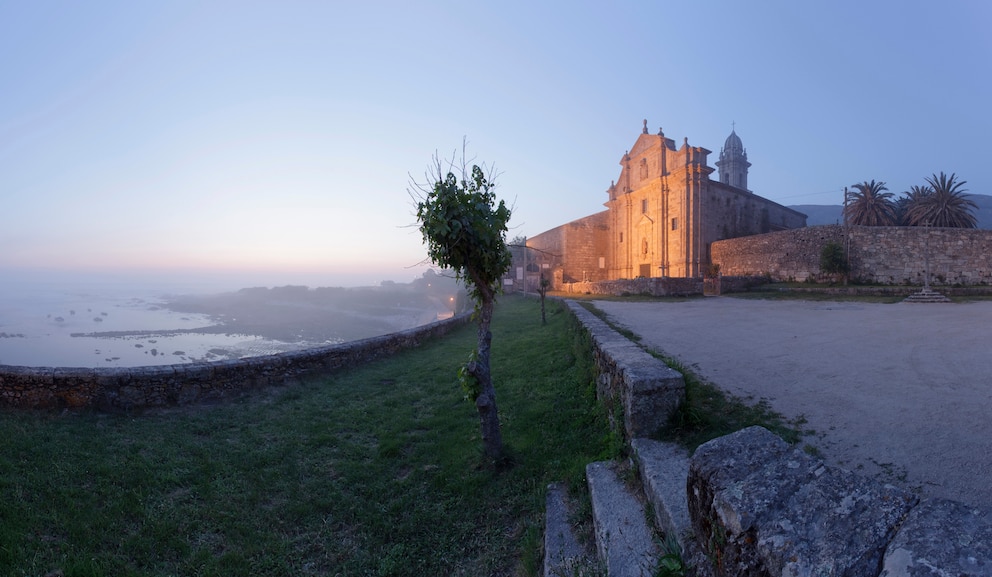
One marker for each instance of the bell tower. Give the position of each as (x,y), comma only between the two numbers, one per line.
(733,162)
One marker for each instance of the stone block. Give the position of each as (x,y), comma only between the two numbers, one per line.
(652,393)
(664,468)
(624,540)
(941,538)
(837,524)
(759,507)
(563,554)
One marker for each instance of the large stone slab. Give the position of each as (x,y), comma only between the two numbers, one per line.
(942,538)
(624,540)
(563,553)
(759,507)
(664,469)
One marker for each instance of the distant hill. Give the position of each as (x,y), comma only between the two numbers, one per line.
(832,213)
(817,214)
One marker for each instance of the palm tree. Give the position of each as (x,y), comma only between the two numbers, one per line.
(947,205)
(869,205)
(913,197)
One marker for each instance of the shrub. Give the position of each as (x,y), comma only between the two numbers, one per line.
(832,259)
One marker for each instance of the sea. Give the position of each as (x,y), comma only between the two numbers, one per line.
(59,324)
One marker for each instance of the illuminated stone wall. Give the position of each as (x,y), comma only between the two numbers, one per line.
(884,255)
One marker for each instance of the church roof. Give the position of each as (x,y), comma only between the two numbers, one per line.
(733,143)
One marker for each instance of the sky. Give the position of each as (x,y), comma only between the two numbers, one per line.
(275,142)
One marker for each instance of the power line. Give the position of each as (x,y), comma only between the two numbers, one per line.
(837,191)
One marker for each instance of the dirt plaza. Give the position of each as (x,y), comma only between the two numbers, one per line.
(901,392)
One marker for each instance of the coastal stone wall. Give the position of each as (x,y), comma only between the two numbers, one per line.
(878,254)
(131,388)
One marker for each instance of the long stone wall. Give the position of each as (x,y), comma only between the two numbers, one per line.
(661,286)
(884,255)
(130,388)
(647,390)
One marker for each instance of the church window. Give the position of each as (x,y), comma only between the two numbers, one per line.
(675,223)
(644,206)
(644,168)
(621,237)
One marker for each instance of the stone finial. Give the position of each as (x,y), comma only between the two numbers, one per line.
(685,141)
(645,126)
(661,132)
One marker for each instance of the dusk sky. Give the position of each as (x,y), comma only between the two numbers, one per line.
(276,140)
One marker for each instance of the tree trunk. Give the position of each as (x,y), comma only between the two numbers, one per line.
(492,438)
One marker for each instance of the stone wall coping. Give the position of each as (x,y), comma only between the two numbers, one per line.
(648,390)
(761,507)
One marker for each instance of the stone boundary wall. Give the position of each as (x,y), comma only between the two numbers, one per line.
(760,507)
(647,390)
(878,254)
(131,388)
(661,286)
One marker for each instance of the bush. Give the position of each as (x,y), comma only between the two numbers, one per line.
(832,259)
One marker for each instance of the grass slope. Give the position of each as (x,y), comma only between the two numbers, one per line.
(373,471)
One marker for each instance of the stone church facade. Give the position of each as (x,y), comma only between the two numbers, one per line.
(662,215)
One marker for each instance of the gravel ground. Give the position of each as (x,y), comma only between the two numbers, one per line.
(902,392)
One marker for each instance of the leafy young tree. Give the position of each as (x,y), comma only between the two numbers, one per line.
(947,205)
(465,230)
(869,205)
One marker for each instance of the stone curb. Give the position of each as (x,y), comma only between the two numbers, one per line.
(649,390)
(563,554)
(625,542)
(664,468)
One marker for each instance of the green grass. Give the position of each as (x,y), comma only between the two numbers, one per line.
(372,471)
(708,413)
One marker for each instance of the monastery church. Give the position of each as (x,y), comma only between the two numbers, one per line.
(662,214)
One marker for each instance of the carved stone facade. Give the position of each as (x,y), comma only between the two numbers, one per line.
(663,213)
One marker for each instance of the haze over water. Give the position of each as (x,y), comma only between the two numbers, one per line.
(54,320)
(45,323)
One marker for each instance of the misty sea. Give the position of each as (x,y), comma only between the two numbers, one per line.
(106,324)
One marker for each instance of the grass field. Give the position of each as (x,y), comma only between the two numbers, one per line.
(372,471)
